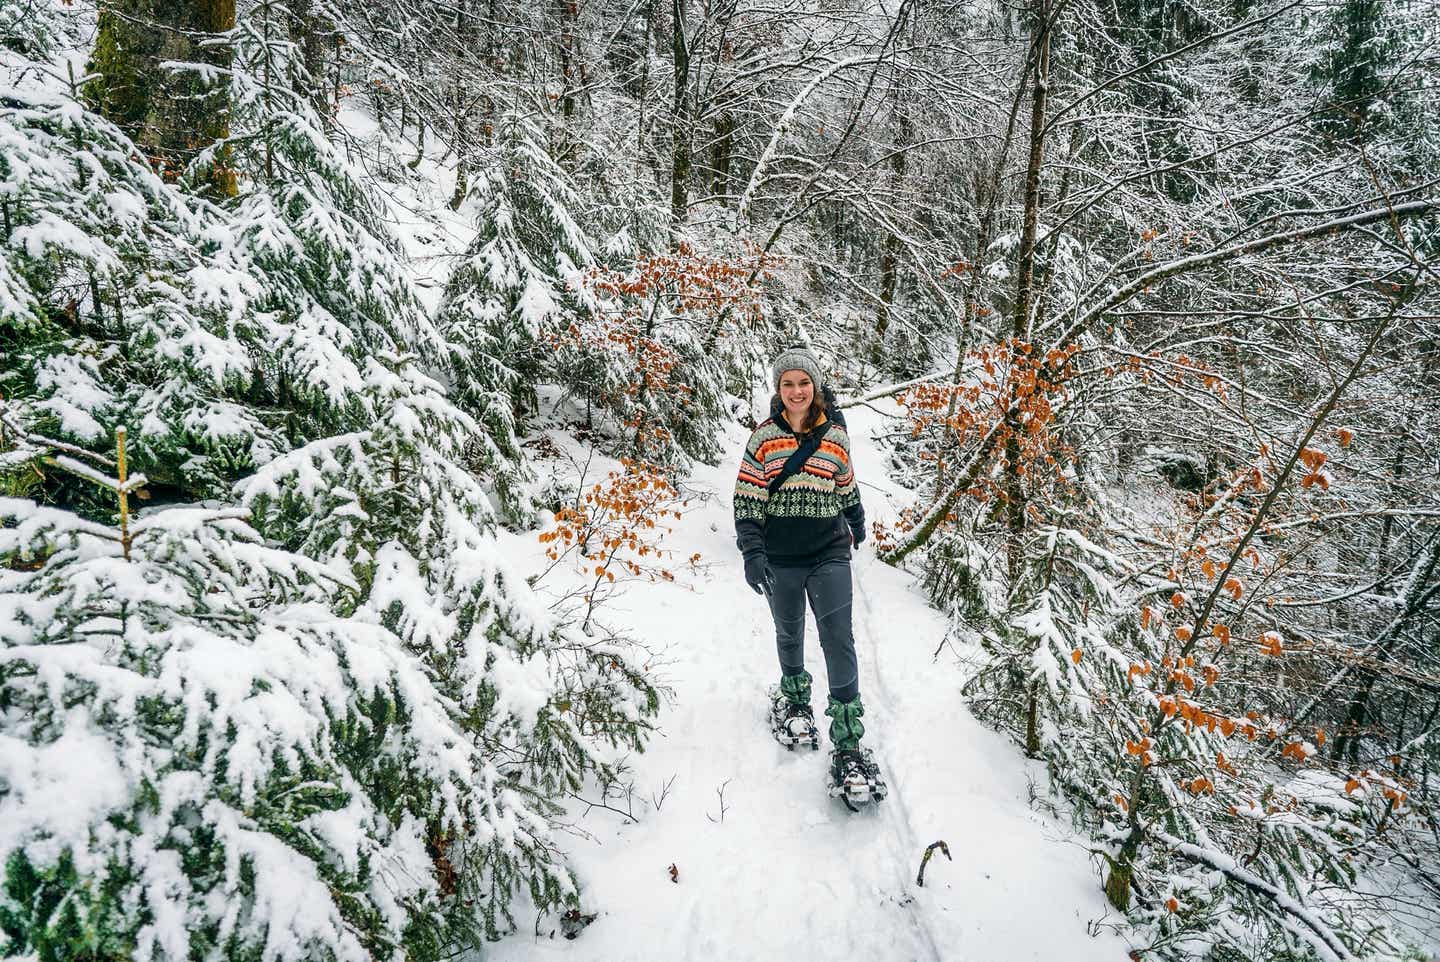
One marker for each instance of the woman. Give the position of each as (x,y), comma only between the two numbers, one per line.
(797,517)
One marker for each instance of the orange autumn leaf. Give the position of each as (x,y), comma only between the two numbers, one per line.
(1232,585)
(1177,599)
(1144,617)
(1312,458)
(1221,633)
(1172,905)
(1120,800)
(1075,656)
(1351,785)
(1344,436)
(1182,633)
(1208,568)
(1269,643)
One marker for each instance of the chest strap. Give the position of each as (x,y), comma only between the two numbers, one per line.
(799,456)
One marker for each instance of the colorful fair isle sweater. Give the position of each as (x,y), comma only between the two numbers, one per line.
(809,518)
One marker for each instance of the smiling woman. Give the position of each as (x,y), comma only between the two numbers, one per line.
(797,518)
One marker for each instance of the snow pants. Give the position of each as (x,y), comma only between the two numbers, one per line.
(827,587)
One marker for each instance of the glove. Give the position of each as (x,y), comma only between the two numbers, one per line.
(757,574)
(857,536)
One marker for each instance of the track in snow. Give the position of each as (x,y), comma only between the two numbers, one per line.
(789,873)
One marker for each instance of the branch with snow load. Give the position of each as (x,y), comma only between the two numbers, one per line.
(1185,265)
(1305,923)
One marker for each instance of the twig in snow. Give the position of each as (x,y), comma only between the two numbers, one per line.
(925,860)
(659,801)
(723,807)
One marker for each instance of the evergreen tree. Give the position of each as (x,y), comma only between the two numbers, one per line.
(520,277)
(541,705)
(1355,49)
(202,758)
(115,312)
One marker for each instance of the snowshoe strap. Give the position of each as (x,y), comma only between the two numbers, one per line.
(797,459)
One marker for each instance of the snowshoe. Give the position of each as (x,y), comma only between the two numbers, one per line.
(854,778)
(791,722)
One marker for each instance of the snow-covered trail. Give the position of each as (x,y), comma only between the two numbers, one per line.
(779,870)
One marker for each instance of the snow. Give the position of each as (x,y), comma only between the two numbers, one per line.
(69,785)
(784,871)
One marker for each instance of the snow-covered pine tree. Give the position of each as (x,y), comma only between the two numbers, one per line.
(200,757)
(113,315)
(636,342)
(519,278)
(334,286)
(542,707)
(221,336)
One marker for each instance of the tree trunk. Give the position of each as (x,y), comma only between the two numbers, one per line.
(720,154)
(645,47)
(1025,268)
(680,132)
(1025,271)
(890,257)
(307,33)
(172,115)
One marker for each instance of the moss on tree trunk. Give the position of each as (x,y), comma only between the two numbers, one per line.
(171,114)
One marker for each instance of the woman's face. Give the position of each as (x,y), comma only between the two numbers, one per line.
(796,392)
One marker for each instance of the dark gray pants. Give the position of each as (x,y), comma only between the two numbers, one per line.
(827,586)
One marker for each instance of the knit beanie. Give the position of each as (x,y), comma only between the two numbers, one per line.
(796,359)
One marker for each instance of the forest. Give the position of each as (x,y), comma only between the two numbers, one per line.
(296,297)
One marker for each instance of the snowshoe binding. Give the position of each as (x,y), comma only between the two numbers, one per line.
(854,778)
(792,723)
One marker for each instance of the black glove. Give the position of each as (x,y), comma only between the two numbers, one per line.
(757,573)
(857,535)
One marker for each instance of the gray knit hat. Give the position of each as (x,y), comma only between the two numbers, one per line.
(796,359)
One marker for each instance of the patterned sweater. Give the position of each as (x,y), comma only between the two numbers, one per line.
(808,519)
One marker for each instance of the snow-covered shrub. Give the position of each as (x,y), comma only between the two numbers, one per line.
(541,706)
(201,758)
(1142,688)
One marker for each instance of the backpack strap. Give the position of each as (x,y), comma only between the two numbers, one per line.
(798,457)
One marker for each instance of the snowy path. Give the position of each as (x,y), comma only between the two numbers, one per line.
(789,873)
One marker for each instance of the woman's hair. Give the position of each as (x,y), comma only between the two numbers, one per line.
(812,416)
